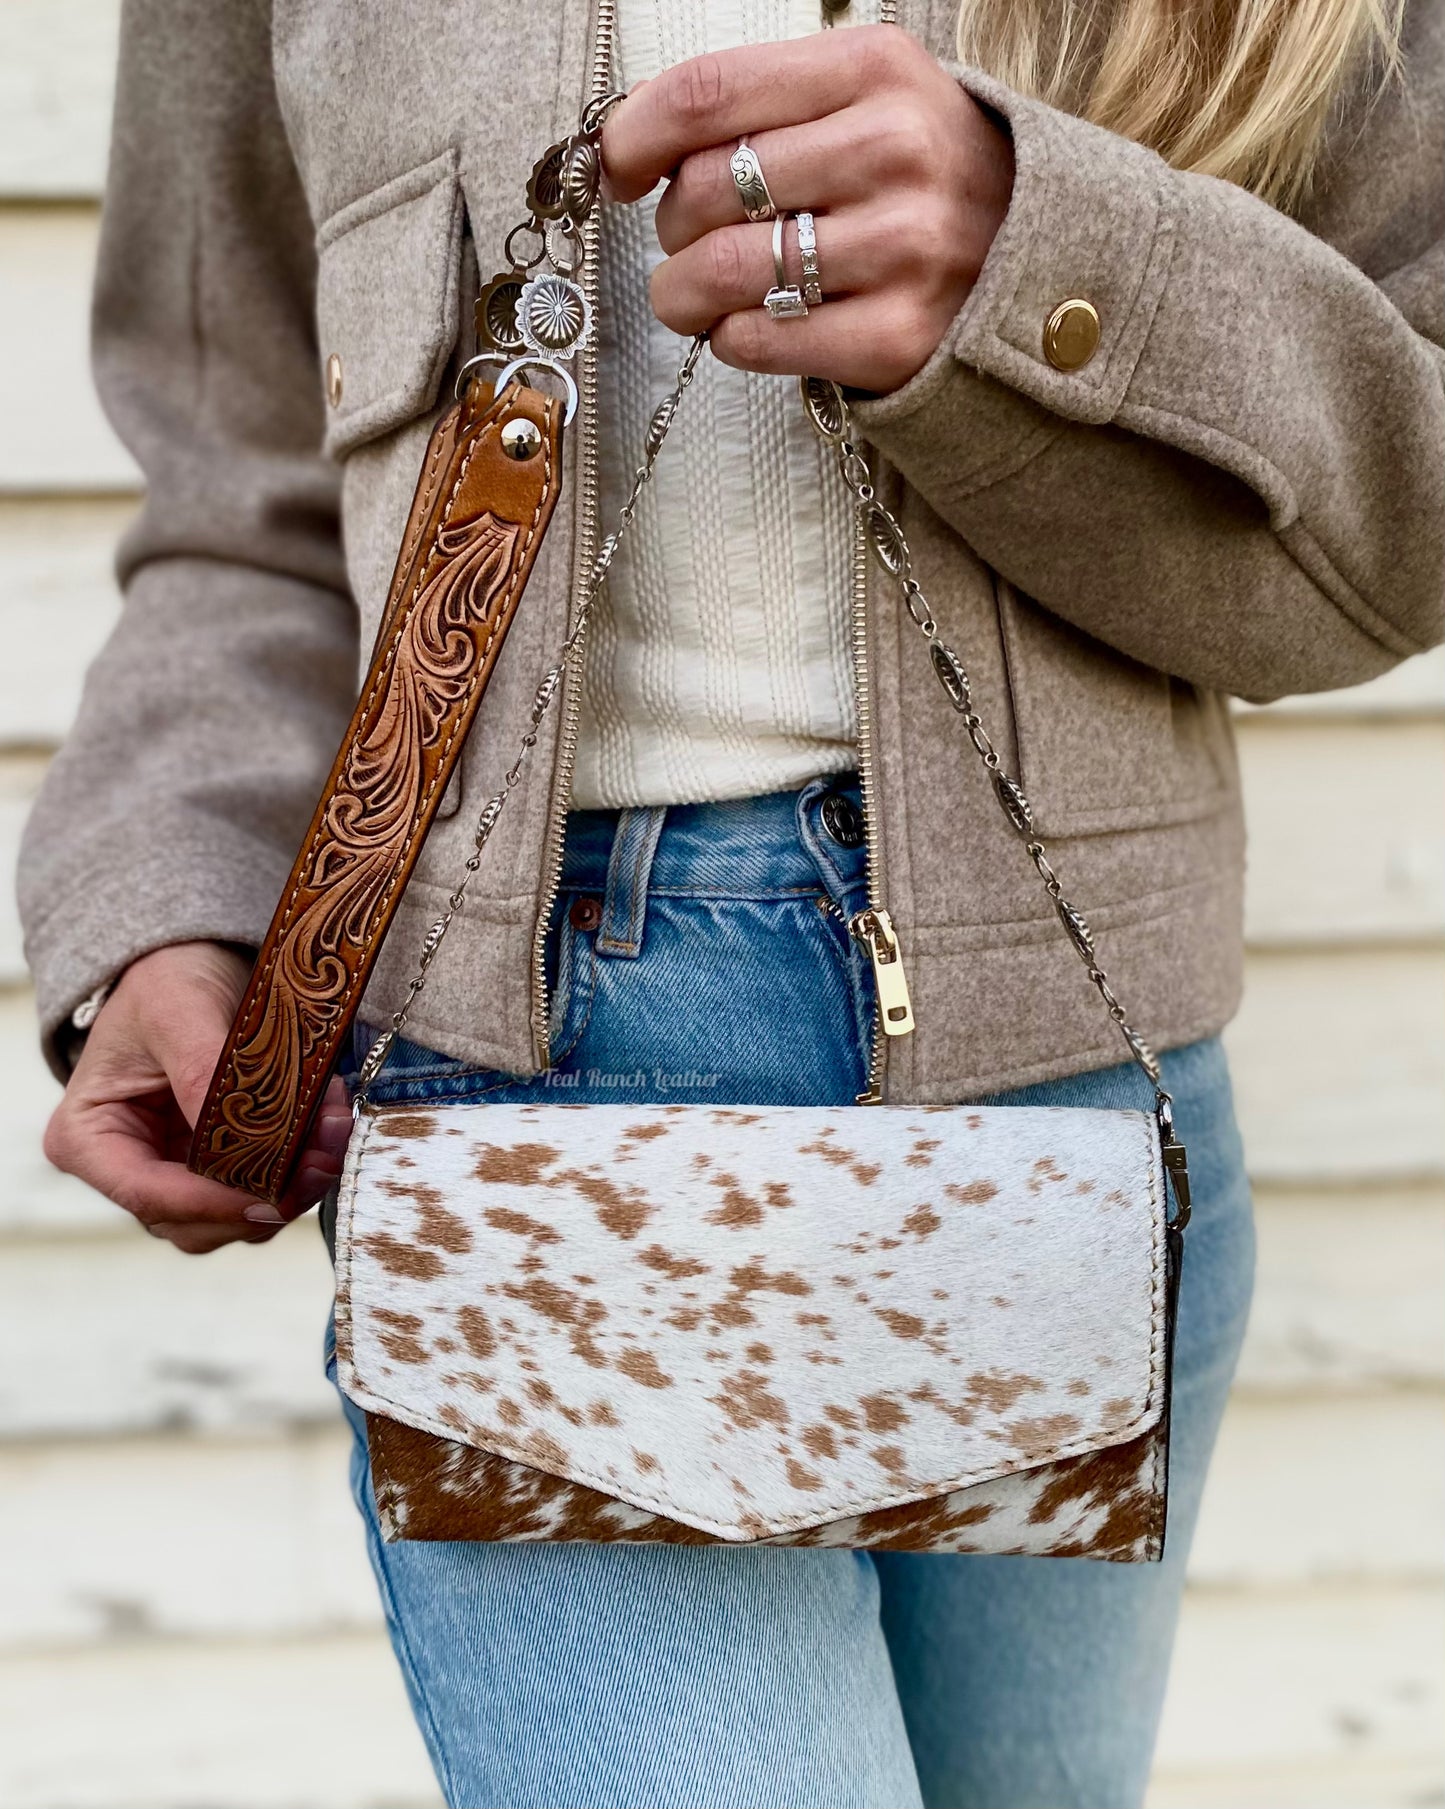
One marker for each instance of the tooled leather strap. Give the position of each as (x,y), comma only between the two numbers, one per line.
(481,509)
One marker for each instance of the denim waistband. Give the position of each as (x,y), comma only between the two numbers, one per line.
(784,842)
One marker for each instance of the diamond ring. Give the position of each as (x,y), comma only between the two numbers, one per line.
(785,300)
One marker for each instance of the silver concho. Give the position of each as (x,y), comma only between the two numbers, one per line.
(1077,927)
(826,409)
(949,672)
(581,177)
(1015,804)
(544,187)
(657,427)
(553,316)
(565,180)
(496,314)
(885,538)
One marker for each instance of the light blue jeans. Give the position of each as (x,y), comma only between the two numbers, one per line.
(693,959)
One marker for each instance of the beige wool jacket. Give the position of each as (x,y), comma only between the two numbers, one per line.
(1242,491)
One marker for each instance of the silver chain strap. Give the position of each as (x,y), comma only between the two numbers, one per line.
(832,421)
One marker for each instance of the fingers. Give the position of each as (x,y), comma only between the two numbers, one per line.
(874,342)
(324,1154)
(823,165)
(732,269)
(201,1239)
(886,308)
(331,1130)
(122,1150)
(125,1121)
(710,100)
(189,1045)
(114,1148)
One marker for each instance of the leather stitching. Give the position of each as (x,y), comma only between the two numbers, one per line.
(308,1089)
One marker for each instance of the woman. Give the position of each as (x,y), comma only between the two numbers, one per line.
(1144,323)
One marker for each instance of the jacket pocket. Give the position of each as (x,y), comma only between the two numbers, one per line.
(388,301)
(1104,742)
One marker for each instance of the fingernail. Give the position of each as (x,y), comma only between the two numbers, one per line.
(261,1214)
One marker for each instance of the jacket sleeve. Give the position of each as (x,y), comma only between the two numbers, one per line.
(1245,484)
(210,718)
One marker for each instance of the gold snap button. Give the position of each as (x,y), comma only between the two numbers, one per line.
(333,380)
(1071,334)
(521,438)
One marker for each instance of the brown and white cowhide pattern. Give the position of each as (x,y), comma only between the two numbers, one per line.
(936,1329)
(1105,1504)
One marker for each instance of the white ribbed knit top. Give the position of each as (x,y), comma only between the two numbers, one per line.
(718,662)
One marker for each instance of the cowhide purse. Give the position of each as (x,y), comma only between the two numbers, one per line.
(930,1328)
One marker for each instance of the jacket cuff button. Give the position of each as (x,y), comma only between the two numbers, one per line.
(1071,334)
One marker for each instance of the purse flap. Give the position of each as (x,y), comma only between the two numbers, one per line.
(753,1320)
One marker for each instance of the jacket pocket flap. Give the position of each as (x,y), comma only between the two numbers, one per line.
(388,286)
(756,1321)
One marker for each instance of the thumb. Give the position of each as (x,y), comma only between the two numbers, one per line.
(185,999)
(189,1049)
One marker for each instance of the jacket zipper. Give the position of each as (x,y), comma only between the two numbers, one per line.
(604,28)
(872,928)
(866,926)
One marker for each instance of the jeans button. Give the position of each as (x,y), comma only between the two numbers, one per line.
(585,914)
(843,820)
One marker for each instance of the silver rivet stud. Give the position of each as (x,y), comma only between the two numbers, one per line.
(333,379)
(521,438)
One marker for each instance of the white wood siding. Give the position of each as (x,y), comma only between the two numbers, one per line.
(186,1614)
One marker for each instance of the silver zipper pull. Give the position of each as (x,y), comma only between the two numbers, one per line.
(874,930)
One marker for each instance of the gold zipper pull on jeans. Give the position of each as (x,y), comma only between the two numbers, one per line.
(874,930)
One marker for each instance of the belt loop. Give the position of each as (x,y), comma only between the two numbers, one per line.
(629,872)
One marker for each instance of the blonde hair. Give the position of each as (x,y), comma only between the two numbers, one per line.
(1234,88)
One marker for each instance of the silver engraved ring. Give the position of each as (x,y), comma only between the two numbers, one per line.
(785,300)
(752,187)
(812,284)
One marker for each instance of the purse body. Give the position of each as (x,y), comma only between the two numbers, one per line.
(770,1325)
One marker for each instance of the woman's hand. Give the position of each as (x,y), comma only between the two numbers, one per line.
(907,178)
(124,1124)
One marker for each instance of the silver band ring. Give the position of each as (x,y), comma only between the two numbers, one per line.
(808,254)
(748,180)
(785,300)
